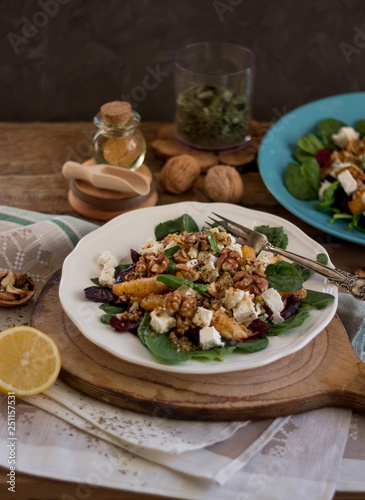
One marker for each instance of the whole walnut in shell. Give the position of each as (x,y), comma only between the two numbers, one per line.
(224,184)
(179,174)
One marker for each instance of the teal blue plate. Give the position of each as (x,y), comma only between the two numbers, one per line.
(280,142)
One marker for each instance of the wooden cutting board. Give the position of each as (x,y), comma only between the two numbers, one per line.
(324,373)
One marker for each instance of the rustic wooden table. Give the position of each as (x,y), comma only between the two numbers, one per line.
(31,159)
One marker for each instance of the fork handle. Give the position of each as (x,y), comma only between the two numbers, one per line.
(354,284)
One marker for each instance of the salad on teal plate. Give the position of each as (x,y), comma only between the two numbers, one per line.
(313,161)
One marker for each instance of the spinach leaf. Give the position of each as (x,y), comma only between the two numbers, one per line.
(253,345)
(301,155)
(328,197)
(307,273)
(183,223)
(328,127)
(292,322)
(96,281)
(303,181)
(144,328)
(170,251)
(358,221)
(322,258)
(319,300)
(310,144)
(121,267)
(105,318)
(162,347)
(212,242)
(360,127)
(112,309)
(284,277)
(175,282)
(275,235)
(214,354)
(304,271)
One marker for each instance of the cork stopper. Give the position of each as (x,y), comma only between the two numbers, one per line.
(116,112)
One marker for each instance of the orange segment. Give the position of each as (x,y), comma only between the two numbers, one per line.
(29,361)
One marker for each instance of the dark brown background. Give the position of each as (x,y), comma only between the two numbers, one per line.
(84,53)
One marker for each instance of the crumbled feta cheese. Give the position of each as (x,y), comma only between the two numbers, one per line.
(193,252)
(337,165)
(204,257)
(107,257)
(202,317)
(209,266)
(265,257)
(272,299)
(235,246)
(172,244)
(187,290)
(324,185)
(233,239)
(152,246)
(220,246)
(232,297)
(209,337)
(344,135)
(277,319)
(161,321)
(192,263)
(348,182)
(106,277)
(245,311)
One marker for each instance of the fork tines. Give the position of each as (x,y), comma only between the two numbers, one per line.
(239,232)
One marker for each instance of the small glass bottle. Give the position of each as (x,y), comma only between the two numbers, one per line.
(118,141)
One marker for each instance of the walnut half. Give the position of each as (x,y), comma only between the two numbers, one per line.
(15,288)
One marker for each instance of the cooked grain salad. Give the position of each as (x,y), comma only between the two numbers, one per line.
(191,293)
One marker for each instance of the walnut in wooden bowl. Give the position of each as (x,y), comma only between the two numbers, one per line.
(16,289)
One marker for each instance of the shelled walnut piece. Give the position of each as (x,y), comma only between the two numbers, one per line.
(15,288)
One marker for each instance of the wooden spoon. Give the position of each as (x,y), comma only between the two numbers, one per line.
(108,177)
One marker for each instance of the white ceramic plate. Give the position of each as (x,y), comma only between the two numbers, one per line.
(131,230)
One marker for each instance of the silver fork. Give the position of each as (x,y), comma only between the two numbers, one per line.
(354,284)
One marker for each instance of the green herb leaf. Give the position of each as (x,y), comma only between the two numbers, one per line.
(275,235)
(253,345)
(144,328)
(105,318)
(112,309)
(96,281)
(292,322)
(310,144)
(328,127)
(176,282)
(121,267)
(284,277)
(322,258)
(319,300)
(303,181)
(360,127)
(183,223)
(304,271)
(162,347)
(212,242)
(170,251)
(328,197)
(301,155)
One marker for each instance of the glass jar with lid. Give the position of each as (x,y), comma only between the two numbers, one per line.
(118,140)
